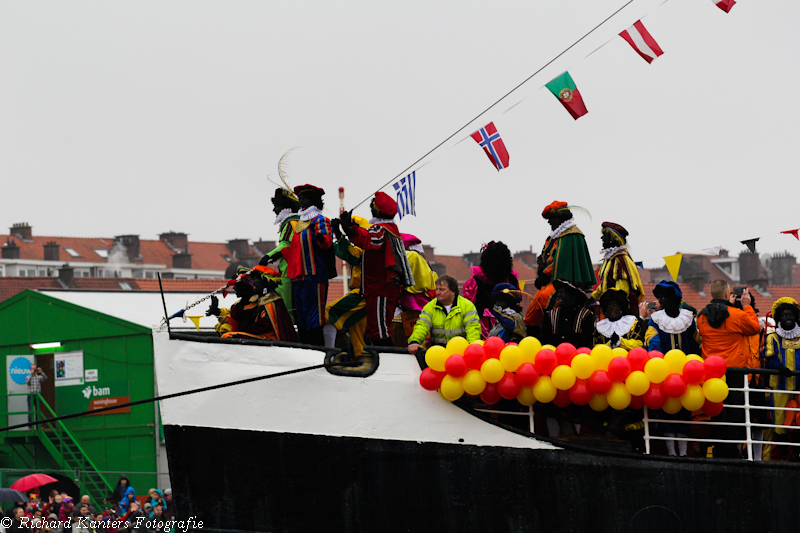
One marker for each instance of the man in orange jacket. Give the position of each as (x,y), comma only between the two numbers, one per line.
(725,331)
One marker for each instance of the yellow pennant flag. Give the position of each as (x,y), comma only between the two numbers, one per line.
(522,285)
(196,321)
(673,265)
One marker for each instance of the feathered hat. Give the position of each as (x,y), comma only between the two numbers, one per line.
(285,191)
(559,208)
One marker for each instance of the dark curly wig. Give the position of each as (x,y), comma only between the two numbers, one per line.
(496,262)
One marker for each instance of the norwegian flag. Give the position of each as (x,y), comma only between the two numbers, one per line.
(492,144)
(725,5)
(641,41)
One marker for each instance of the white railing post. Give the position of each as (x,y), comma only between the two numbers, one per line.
(530,419)
(646,420)
(748,429)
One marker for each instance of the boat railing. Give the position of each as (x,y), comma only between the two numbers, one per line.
(752,429)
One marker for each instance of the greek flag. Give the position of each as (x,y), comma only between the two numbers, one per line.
(405,195)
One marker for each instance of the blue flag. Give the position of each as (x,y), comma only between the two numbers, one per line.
(406,196)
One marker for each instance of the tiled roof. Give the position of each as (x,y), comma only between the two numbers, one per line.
(455,266)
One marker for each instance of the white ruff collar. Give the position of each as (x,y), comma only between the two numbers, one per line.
(374,221)
(416,248)
(608,253)
(621,327)
(791,334)
(310,213)
(562,228)
(283,215)
(667,324)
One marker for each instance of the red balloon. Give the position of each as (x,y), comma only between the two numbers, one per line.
(474,356)
(430,379)
(712,408)
(600,382)
(638,358)
(455,366)
(694,372)
(674,386)
(584,350)
(715,367)
(580,393)
(637,402)
(512,344)
(619,368)
(508,386)
(490,396)
(493,346)
(562,399)
(655,397)
(545,361)
(527,375)
(655,353)
(564,353)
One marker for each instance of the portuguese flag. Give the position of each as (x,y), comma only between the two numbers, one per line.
(567,93)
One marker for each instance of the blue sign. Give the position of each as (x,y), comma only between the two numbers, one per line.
(19,369)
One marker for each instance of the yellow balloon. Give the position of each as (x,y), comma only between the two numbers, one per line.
(675,360)
(672,406)
(526,397)
(492,370)
(693,399)
(618,352)
(602,355)
(563,377)
(511,357)
(479,341)
(599,402)
(530,346)
(637,383)
(715,390)
(435,357)
(618,397)
(452,388)
(473,382)
(442,396)
(543,390)
(456,346)
(656,370)
(583,366)
(694,357)
(549,347)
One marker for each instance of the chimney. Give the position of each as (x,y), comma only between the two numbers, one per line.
(429,255)
(239,248)
(439,268)
(782,268)
(182,260)
(51,251)
(527,258)
(10,249)
(66,276)
(262,247)
(131,244)
(697,280)
(749,268)
(177,242)
(22,230)
(723,252)
(472,258)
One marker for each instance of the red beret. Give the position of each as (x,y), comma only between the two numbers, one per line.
(616,227)
(308,188)
(553,207)
(385,204)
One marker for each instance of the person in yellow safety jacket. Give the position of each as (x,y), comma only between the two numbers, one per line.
(448,316)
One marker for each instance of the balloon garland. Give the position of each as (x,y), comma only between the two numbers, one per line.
(601,377)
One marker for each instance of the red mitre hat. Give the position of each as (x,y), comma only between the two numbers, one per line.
(554,207)
(385,205)
(308,188)
(410,240)
(616,227)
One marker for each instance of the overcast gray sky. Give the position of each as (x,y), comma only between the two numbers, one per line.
(145,117)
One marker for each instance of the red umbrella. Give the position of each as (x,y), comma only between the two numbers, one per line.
(31,481)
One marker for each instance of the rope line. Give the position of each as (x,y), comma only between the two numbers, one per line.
(479,115)
(177,394)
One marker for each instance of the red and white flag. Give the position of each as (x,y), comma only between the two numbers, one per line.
(641,41)
(724,5)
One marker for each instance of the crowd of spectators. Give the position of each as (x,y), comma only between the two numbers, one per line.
(120,512)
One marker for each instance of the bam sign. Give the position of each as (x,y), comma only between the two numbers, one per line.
(94,392)
(94,396)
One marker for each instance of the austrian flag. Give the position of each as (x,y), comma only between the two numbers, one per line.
(493,145)
(641,41)
(567,93)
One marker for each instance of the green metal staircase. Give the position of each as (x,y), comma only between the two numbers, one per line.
(64,449)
